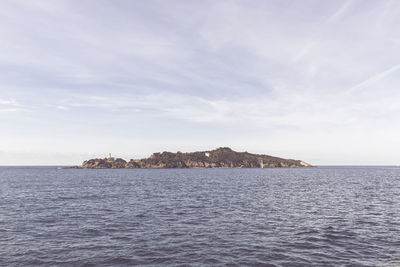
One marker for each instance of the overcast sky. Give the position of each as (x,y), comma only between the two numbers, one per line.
(311,80)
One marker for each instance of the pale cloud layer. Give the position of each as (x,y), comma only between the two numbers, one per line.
(314,80)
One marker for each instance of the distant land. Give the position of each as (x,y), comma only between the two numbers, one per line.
(223,157)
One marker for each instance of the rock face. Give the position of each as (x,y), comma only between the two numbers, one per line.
(223,157)
(107,163)
(72,167)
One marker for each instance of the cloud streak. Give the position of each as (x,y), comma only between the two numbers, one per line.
(340,11)
(10,105)
(373,79)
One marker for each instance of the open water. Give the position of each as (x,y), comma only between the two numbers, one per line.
(323,216)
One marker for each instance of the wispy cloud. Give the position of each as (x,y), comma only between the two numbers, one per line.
(10,105)
(7,110)
(304,51)
(9,102)
(320,32)
(340,11)
(271,66)
(283,110)
(373,79)
(62,108)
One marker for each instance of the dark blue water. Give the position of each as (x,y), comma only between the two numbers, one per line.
(325,216)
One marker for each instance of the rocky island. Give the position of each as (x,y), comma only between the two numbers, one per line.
(223,157)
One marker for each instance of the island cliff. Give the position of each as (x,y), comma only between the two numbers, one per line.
(223,157)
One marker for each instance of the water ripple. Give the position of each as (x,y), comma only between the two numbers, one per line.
(331,216)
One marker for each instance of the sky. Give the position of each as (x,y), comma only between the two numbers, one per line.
(312,80)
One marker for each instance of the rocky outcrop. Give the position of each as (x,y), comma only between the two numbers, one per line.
(106,163)
(72,167)
(223,157)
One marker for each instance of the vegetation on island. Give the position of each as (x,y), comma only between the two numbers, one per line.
(223,157)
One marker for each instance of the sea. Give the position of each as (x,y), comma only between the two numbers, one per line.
(319,216)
